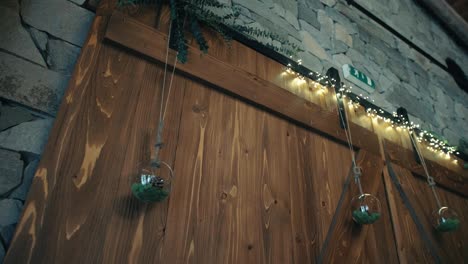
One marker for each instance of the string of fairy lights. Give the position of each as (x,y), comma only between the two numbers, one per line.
(323,82)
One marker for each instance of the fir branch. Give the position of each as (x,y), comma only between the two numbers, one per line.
(205,11)
(197,34)
(137,2)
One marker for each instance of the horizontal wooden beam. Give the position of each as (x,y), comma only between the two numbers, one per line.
(456,181)
(150,42)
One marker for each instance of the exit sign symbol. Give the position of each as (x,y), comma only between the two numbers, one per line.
(358,78)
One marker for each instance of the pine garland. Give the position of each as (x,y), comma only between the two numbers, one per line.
(192,13)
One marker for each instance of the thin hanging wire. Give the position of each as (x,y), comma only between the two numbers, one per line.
(429,178)
(356,170)
(164,104)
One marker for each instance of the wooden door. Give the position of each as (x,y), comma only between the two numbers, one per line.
(257,180)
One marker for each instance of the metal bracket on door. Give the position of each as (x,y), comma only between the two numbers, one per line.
(403,116)
(333,73)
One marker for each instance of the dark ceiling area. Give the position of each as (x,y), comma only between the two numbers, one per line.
(460,6)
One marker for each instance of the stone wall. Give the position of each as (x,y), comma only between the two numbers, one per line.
(333,33)
(39,44)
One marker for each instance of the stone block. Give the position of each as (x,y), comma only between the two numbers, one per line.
(377,31)
(28,137)
(336,16)
(62,56)
(326,23)
(342,35)
(374,70)
(341,59)
(339,47)
(461,111)
(288,5)
(21,192)
(39,37)
(2,252)
(78,2)
(384,84)
(355,56)
(10,211)
(29,84)
(415,67)
(359,45)
(432,90)
(16,39)
(458,125)
(451,88)
(279,10)
(351,13)
(269,3)
(444,104)
(377,55)
(292,19)
(7,232)
(323,39)
(329,2)
(389,74)
(11,169)
(308,15)
(363,34)
(403,48)
(13,115)
(420,82)
(312,4)
(60,18)
(398,69)
(451,136)
(418,107)
(379,100)
(311,45)
(311,62)
(275,23)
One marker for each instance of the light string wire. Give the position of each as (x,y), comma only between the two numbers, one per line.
(429,178)
(349,140)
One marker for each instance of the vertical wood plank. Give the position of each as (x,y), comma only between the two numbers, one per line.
(411,248)
(347,239)
(450,247)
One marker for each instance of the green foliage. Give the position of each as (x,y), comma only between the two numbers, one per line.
(364,218)
(218,16)
(197,34)
(450,224)
(149,193)
(138,2)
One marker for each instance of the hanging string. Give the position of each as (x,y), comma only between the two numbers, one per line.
(162,113)
(356,170)
(429,178)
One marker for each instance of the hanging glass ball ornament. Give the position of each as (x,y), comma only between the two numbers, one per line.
(445,219)
(365,209)
(153,186)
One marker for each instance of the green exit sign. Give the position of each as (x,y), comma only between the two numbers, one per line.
(358,78)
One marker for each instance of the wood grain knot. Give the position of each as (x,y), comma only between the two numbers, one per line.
(223,196)
(197,108)
(249,247)
(298,238)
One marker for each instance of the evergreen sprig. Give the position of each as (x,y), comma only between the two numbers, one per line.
(215,15)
